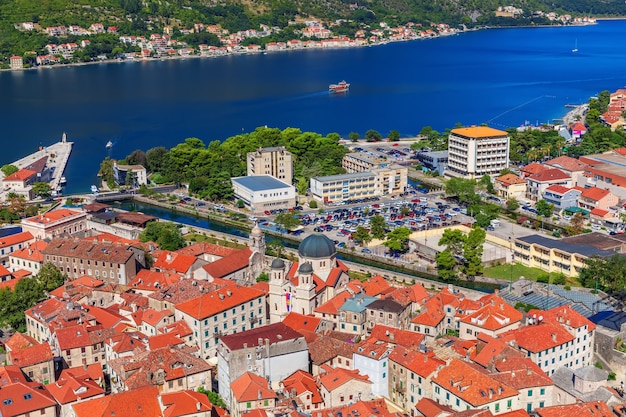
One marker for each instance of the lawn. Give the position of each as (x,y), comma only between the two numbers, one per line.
(197,238)
(504,272)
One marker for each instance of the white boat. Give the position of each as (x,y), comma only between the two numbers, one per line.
(109,144)
(94,189)
(62,180)
(575,46)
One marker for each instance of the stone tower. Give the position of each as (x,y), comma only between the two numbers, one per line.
(278,291)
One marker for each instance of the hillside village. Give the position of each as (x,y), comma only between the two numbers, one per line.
(314,34)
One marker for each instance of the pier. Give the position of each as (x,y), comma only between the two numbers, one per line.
(57,155)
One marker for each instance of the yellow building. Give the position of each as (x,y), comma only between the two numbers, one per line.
(510,186)
(552,255)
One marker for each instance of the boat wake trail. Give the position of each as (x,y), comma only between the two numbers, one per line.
(490,121)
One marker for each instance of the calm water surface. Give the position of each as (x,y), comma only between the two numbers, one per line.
(503,77)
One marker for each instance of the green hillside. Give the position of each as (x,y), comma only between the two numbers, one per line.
(143,17)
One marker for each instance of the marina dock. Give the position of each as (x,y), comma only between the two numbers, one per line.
(58,155)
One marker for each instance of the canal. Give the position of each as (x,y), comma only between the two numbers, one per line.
(205,223)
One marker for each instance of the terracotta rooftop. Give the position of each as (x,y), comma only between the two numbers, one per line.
(567,163)
(201,248)
(15,239)
(251,387)
(538,338)
(470,384)
(31,355)
(302,382)
(53,216)
(140,402)
(510,179)
(396,336)
(275,333)
(70,388)
(21,175)
(431,408)
(326,348)
(550,174)
(533,168)
(86,249)
(559,189)
(207,305)
(174,261)
(565,315)
(185,403)
(580,409)
(334,378)
(229,264)
(300,322)
(332,306)
(595,193)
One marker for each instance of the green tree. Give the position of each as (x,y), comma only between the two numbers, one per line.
(512,204)
(106,172)
(214,397)
(398,239)
(424,143)
(9,169)
(50,277)
(240,203)
(354,137)
(544,208)
(485,181)
(131,179)
(313,204)
(378,226)
(446,264)
(41,189)
(576,225)
(263,277)
(156,159)
(362,236)
(393,136)
(288,220)
(275,248)
(473,252)
(166,234)
(303,185)
(453,240)
(373,136)
(464,189)
(137,157)
(219,187)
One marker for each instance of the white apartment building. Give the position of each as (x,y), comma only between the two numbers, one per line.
(264,192)
(376,182)
(477,150)
(276,161)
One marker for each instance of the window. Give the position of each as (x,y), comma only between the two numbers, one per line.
(509,404)
(248,405)
(265,403)
(542,391)
(530,393)
(541,404)
(497,408)
(529,407)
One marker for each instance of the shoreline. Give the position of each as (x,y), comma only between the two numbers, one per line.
(263,51)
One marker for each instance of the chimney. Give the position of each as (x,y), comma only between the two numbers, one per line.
(198,406)
(168,257)
(554,337)
(245,346)
(528,371)
(229,293)
(221,295)
(260,396)
(260,341)
(392,337)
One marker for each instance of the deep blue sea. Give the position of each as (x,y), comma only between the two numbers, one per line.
(502,77)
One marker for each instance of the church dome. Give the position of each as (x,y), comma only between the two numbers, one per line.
(277,264)
(317,246)
(305,268)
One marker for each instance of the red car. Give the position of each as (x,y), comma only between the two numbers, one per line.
(267,212)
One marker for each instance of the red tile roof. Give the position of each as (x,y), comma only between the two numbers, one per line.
(538,338)
(70,388)
(325,348)
(229,264)
(396,336)
(198,249)
(53,216)
(551,174)
(559,189)
(73,337)
(13,402)
(334,378)
(174,261)
(472,385)
(222,299)
(431,408)
(21,175)
(31,252)
(495,315)
(509,179)
(416,293)
(420,363)
(164,340)
(251,387)
(141,402)
(32,355)
(565,315)
(533,168)
(567,163)
(595,193)
(275,333)
(302,382)
(299,322)
(15,239)
(185,403)
(580,409)
(332,306)
(599,212)
(376,285)
(148,280)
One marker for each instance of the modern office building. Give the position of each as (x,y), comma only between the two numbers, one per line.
(434,161)
(376,182)
(477,150)
(276,161)
(264,192)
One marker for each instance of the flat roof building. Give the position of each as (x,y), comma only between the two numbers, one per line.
(477,150)
(264,192)
(376,182)
(275,161)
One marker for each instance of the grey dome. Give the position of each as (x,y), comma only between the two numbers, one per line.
(317,246)
(277,263)
(305,268)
